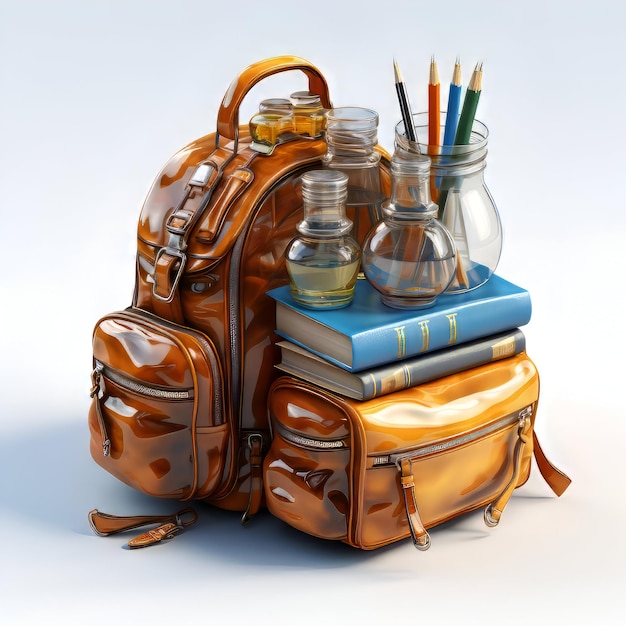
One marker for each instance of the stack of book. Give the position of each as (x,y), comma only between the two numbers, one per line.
(368,349)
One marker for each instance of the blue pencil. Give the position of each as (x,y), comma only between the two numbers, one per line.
(454,105)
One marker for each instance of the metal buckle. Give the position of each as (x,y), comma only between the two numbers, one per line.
(255,437)
(182,215)
(202,175)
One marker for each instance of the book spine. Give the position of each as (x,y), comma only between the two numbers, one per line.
(441,330)
(411,372)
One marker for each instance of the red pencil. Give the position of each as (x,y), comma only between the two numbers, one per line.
(434,110)
(434,123)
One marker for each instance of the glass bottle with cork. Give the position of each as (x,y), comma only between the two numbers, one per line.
(323,261)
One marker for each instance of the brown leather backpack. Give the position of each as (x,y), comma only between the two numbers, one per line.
(181,378)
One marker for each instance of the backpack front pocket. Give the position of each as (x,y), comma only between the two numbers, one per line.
(157,419)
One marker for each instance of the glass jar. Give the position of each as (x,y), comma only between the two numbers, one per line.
(409,257)
(308,113)
(275,117)
(466,207)
(351,137)
(323,262)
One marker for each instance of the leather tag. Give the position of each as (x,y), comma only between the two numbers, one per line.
(165,531)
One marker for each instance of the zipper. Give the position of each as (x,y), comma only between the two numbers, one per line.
(218,408)
(492,514)
(234,296)
(454,442)
(132,384)
(309,442)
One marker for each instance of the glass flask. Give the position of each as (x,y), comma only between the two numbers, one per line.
(308,113)
(466,207)
(351,137)
(323,262)
(409,257)
(275,117)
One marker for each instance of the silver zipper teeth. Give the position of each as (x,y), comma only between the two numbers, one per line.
(457,441)
(307,442)
(145,390)
(210,352)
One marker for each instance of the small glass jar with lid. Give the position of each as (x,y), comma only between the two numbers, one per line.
(275,116)
(409,257)
(308,113)
(323,261)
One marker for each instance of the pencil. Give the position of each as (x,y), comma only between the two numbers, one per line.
(433,108)
(454,105)
(434,121)
(470,104)
(405,107)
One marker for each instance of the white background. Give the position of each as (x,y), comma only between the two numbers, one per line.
(96,96)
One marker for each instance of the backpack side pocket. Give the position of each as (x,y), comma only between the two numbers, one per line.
(157,419)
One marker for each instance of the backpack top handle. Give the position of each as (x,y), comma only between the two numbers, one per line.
(228,115)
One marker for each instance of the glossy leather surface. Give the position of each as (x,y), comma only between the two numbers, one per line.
(160,397)
(219,269)
(352,491)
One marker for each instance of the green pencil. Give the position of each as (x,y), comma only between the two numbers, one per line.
(470,104)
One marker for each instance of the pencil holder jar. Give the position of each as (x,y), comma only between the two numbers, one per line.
(409,257)
(466,207)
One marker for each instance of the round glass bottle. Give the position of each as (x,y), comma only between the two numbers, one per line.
(351,137)
(466,206)
(275,116)
(323,262)
(409,257)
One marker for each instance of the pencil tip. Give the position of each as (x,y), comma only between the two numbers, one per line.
(434,72)
(396,71)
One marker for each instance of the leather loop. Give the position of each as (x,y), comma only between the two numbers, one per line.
(234,186)
(421,539)
(557,480)
(228,115)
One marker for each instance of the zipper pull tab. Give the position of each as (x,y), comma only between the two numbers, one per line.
(255,445)
(421,539)
(494,511)
(96,392)
(165,531)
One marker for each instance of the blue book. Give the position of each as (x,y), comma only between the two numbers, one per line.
(368,333)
